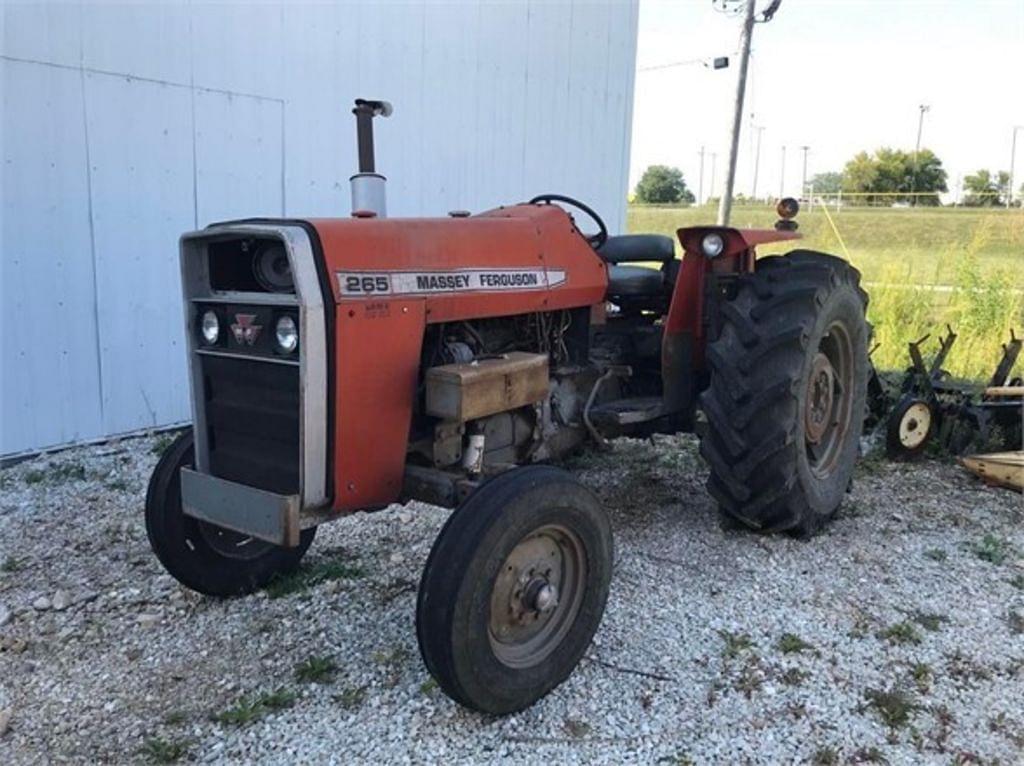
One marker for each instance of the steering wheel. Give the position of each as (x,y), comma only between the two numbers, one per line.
(595,240)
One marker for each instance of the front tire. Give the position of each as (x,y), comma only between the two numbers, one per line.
(786,401)
(514,589)
(203,556)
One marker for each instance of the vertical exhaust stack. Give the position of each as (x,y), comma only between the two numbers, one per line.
(368,197)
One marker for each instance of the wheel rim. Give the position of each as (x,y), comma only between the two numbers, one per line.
(232,545)
(915,424)
(537,595)
(828,400)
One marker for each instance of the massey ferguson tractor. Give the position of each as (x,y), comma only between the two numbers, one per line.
(342,365)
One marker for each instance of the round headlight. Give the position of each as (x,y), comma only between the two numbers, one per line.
(210,327)
(712,245)
(287,334)
(272,270)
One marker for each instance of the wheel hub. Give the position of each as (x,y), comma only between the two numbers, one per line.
(820,392)
(915,424)
(536,595)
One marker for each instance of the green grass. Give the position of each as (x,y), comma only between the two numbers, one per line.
(978,251)
(310,574)
(159,750)
(250,709)
(893,706)
(994,550)
(900,633)
(791,643)
(735,643)
(316,670)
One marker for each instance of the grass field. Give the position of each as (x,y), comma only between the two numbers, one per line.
(975,256)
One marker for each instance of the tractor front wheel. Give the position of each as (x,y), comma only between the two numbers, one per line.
(200,555)
(786,401)
(514,589)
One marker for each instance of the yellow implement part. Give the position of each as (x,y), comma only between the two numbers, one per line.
(1003,468)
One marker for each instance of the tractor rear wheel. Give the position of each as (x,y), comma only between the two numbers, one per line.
(200,555)
(514,589)
(786,401)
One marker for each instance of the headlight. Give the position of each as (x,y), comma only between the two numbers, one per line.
(712,245)
(287,334)
(272,270)
(210,327)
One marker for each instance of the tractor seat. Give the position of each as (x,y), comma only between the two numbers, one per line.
(638,248)
(633,281)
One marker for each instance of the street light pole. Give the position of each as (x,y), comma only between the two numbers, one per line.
(782,174)
(803,178)
(917,149)
(757,159)
(725,205)
(700,183)
(1013,157)
(714,158)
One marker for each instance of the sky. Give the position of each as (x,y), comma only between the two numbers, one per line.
(839,76)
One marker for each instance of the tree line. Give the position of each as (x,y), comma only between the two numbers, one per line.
(886,176)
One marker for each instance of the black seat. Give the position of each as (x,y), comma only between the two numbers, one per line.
(637,248)
(633,281)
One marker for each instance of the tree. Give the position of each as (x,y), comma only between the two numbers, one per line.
(894,175)
(984,189)
(827,183)
(662,184)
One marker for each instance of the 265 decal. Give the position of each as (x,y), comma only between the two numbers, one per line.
(366,283)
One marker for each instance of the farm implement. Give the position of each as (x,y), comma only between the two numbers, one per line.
(342,365)
(933,408)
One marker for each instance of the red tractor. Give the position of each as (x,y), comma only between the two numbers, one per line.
(340,365)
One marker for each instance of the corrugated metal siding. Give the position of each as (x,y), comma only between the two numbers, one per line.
(124,126)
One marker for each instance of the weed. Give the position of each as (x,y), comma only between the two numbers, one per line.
(900,633)
(825,756)
(11,565)
(994,550)
(1018,582)
(176,718)
(159,750)
(118,485)
(308,575)
(249,709)
(791,643)
(1015,620)
(921,672)
(392,657)
(34,476)
(936,554)
(871,754)
(315,669)
(735,643)
(352,697)
(894,707)
(428,687)
(793,677)
(929,620)
(161,443)
(575,728)
(63,472)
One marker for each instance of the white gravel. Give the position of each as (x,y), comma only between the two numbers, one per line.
(103,657)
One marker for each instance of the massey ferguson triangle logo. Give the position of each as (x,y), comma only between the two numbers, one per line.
(244,330)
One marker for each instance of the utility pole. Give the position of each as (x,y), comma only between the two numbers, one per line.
(725,204)
(782,174)
(700,183)
(757,158)
(803,178)
(917,148)
(714,157)
(1013,157)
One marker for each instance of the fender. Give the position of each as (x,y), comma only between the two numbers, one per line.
(685,336)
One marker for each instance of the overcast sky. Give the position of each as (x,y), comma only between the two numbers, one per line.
(836,75)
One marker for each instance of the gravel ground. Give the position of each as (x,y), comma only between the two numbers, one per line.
(898,634)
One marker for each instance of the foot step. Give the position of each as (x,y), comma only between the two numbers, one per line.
(622,412)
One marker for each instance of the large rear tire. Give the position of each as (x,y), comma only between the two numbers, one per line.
(203,556)
(514,589)
(786,401)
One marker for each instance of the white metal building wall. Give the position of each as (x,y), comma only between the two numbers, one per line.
(125,125)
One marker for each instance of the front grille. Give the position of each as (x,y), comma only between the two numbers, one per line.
(252,421)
